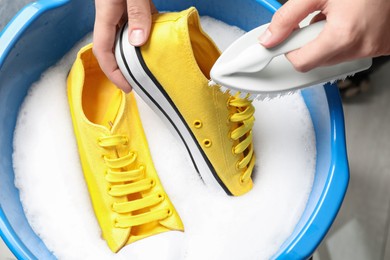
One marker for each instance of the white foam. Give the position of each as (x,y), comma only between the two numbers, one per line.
(56,200)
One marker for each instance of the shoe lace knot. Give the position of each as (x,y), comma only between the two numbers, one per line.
(242,117)
(128,179)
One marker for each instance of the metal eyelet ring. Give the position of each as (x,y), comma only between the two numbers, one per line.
(142,167)
(126,140)
(207,143)
(238,166)
(160,196)
(242,181)
(229,119)
(133,153)
(230,135)
(198,124)
(116,223)
(233,151)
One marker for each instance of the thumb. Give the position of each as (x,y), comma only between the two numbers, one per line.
(139,18)
(286,19)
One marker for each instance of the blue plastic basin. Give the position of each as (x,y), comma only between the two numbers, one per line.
(43,32)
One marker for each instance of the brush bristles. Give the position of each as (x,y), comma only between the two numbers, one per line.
(249,96)
(342,78)
(269,96)
(231,92)
(221,88)
(266,96)
(212,83)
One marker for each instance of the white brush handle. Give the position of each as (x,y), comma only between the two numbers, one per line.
(297,39)
(246,65)
(256,57)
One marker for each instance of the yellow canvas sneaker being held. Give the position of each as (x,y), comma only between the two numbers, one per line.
(127,196)
(171,73)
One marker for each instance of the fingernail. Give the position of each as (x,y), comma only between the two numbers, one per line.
(265,37)
(137,37)
(127,88)
(127,91)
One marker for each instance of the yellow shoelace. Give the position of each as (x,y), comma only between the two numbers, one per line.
(244,117)
(124,182)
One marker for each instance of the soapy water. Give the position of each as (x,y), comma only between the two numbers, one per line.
(56,200)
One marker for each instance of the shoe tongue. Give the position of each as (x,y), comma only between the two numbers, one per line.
(113,107)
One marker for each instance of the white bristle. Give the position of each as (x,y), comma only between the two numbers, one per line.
(244,95)
(342,78)
(251,97)
(233,92)
(223,89)
(261,97)
(269,96)
(212,83)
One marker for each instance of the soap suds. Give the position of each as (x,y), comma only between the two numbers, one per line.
(56,201)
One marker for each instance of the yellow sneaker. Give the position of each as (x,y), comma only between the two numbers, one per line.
(127,196)
(171,73)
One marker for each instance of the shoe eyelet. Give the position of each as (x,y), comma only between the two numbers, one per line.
(228,120)
(116,223)
(198,124)
(152,183)
(230,135)
(160,196)
(233,151)
(106,177)
(169,212)
(207,143)
(242,181)
(238,166)
(133,154)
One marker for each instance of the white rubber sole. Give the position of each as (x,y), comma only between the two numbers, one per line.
(134,69)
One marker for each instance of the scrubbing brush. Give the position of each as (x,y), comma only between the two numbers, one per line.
(248,67)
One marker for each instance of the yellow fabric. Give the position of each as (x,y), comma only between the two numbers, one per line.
(127,196)
(180,56)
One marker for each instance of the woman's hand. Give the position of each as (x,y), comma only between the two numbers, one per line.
(110,16)
(354,29)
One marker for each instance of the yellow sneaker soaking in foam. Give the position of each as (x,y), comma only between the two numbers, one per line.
(128,198)
(171,73)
